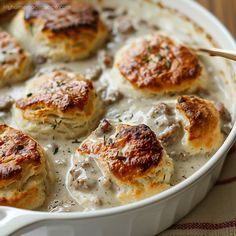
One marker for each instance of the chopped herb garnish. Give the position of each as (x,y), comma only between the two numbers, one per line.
(19,148)
(110,141)
(168,64)
(121,158)
(57,123)
(149,49)
(166,47)
(56,151)
(60,83)
(146,59)
(29,95)
(119,120)
(104,140)
(159,56)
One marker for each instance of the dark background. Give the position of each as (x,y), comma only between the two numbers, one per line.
(225,10)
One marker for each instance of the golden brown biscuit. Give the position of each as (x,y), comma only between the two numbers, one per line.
(22,170)
(57,102)
(201,122)
(15,62)
(155,64)
(62,30)
(7,6)
(131,157)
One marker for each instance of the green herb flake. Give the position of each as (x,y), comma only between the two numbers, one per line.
(168,64)
(57,123)
(165,47)
(56,151)
(146,59)
(149,49)
(104,140)
(159,56)
(60,83)
(29,95)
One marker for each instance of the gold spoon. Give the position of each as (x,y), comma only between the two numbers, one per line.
(216,52)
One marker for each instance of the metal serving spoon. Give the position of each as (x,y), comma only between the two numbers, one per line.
(228,54)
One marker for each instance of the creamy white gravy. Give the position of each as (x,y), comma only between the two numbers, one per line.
(145,19)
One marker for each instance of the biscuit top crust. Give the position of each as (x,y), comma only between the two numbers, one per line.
(16,151)
(159,65)
(201,115)
(58,91)
(11,53)
(58,16)
(130,153)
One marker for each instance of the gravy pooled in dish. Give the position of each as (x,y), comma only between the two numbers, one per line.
(119,107)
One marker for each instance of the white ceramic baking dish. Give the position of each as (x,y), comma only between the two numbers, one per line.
(149,216)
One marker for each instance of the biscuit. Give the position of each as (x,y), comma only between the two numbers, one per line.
(64,30)
(15,62)
(59,103)
(201,122)
(23,175)
(155,64)
(131,157)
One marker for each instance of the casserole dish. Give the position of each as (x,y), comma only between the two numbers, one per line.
(152,215)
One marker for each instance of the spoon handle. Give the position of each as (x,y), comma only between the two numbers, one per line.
(228,54)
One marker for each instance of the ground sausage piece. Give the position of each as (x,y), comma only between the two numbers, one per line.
(161,109)
(93,73)
(105,58)
(224,113)
(124,25)
(106,126)
(105,182)
(6,103)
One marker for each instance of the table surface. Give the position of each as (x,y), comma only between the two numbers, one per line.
(225,10)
